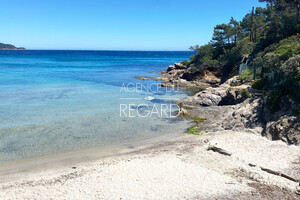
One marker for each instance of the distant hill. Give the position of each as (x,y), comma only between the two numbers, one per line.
(10,47)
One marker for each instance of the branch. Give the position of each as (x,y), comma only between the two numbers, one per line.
(219,150)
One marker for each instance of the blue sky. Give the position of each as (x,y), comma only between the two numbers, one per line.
(115,24)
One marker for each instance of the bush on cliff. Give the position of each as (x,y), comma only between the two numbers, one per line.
(258,84)
(269,38)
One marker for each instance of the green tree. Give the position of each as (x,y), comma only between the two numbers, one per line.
(194,48)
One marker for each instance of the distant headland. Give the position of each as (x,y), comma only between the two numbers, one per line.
(10,47)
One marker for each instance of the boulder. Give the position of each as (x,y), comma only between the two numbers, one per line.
(208,97)
(287,128)
(235,95)
(170,68)
(234,81)
(222,95)
(247,116)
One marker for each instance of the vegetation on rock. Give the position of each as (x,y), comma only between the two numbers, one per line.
(267,40)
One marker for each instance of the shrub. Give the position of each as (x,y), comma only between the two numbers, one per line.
(258,84)
(197,68)
(185,62)
(292,66)
(270,48)
(247,75)
(192,59)
(289,46)
(208,62)
(273,100)
(272,61)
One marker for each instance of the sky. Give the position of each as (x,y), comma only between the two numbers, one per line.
(115,24)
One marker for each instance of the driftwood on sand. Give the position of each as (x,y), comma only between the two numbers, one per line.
(275,173)
(224,152)
(219,150)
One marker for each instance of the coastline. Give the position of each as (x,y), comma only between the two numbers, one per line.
(174,166)
(115,103)
(10,171)
(175,169)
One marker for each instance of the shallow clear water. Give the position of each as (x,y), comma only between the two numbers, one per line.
(59,101)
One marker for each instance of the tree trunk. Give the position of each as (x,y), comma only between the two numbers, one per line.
(254,33)
(251,34)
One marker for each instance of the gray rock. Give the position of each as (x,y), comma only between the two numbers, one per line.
(180,75)
(234,81)
(204,98)
(170,68)
(227,107)
(286,128)
(235,95)
(247,116)
(222,95)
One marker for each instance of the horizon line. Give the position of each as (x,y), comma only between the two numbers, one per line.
(96,50)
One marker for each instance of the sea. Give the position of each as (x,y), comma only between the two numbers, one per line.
(56,101)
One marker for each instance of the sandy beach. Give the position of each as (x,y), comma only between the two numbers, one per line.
(181,168)
(150,100)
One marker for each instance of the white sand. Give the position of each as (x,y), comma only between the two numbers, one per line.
(178,169)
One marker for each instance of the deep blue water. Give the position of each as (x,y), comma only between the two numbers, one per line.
(59,101)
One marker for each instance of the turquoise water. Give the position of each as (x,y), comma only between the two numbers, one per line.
(61,101)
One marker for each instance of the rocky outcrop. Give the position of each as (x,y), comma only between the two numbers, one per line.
(209,97)
(254,116)
(286,128)
(233,106)
(235,95)
(179,75)
(247,116)
(283,124)
(222,95)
